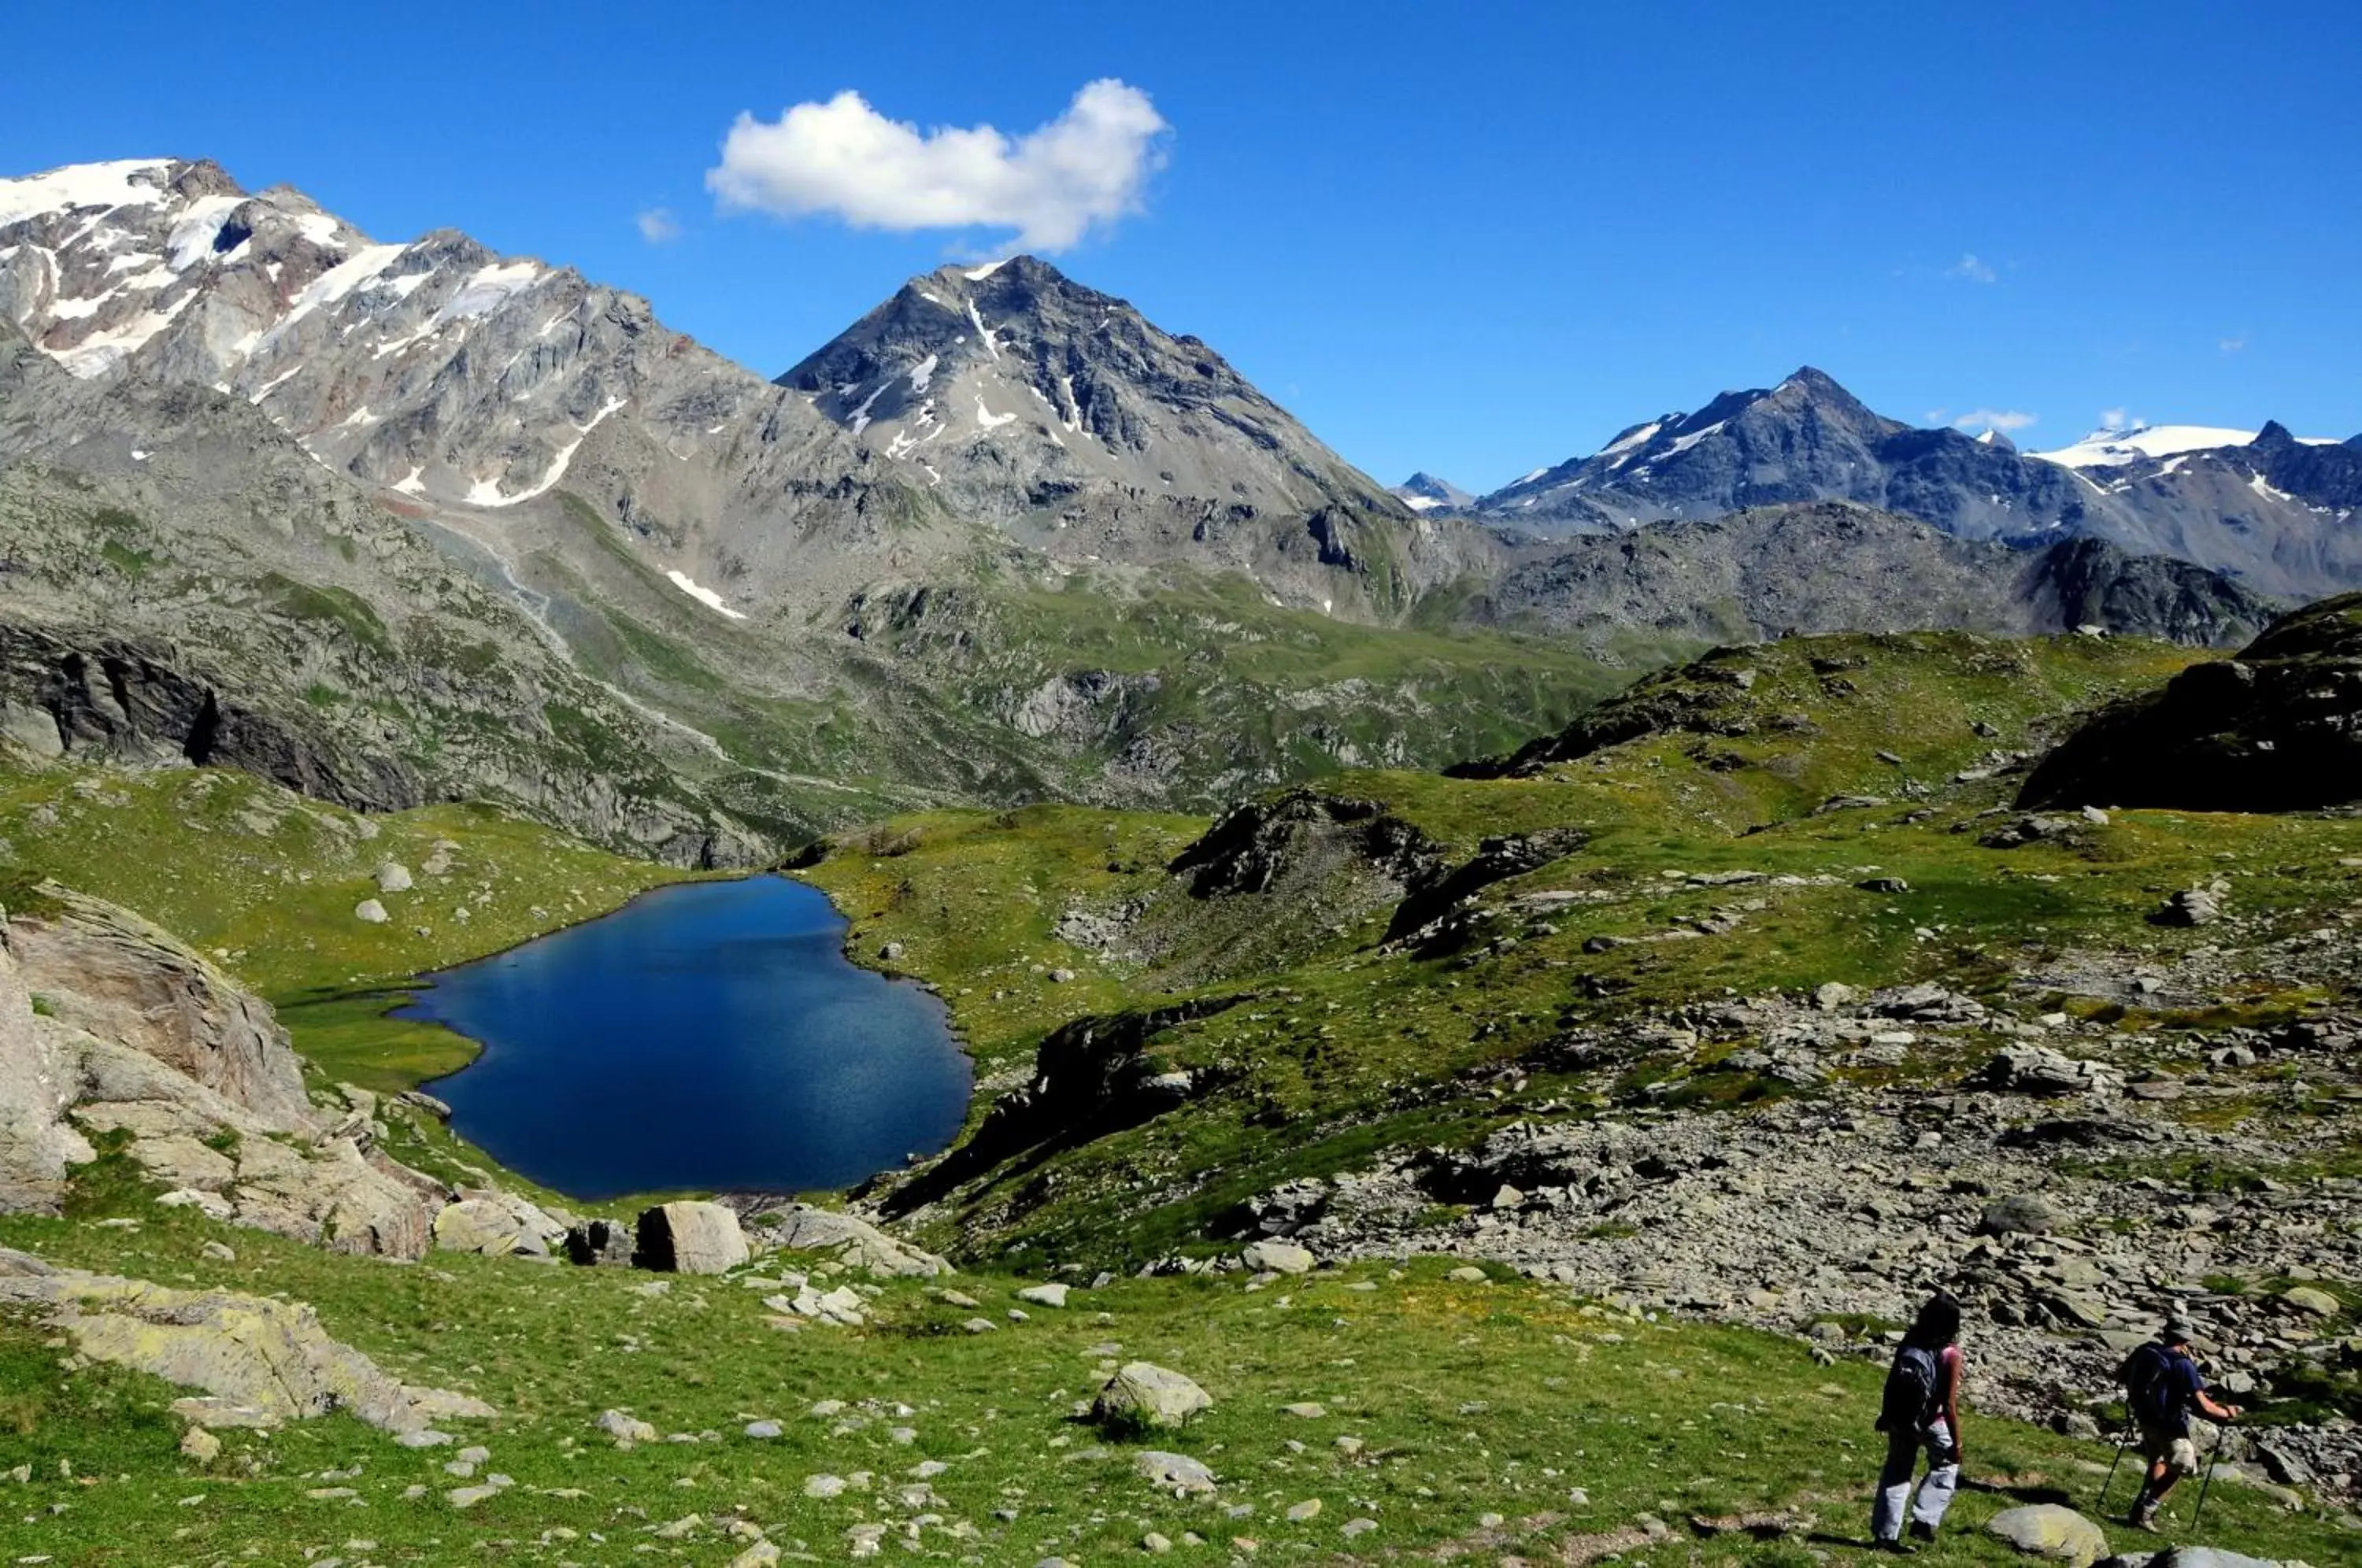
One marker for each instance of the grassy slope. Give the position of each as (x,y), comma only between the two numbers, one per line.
(266,882)
(1344,1051)
(1469,1399)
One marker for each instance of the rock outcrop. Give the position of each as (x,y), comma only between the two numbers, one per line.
(114,976)
(36,1143)
(2276,728)
(257,1361)
(139,1036)
(853,1241)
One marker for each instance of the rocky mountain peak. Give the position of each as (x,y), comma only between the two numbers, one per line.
(1034,401)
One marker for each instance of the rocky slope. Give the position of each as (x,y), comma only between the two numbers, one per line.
(1835,566)
(2269,512)
(1425,492)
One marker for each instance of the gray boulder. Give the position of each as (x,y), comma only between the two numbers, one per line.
(2025,1214)
(1175,1472)
(2052,1532)
(690,1238)
(35,1144)
(1277,1257)
(1143,1395)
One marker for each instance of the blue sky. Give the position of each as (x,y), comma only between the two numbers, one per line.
(1474,238)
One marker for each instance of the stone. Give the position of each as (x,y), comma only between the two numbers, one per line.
(2192,906)
(495,1226)
(1277,1257)
(1144,1394)
(368,912)
(891,953)
(762,1554)
(762,1429)
(1305,1511)
(2312,1300)
(201,1445)
(1052,1295)
(392,876)
(625,1430)
(2051,1531)
(690,1238)
(2206,1557)
(2026,1214)
(1832,995)
(1467,1274)
(1175,1472)
(1305,1410)
(823,1486)
(259,1359)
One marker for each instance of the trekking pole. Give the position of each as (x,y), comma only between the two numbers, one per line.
(2122,1437)
(2219,1433)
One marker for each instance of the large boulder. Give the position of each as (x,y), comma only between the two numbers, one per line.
(600,1244)
(257,1360)
(690,1238)
(800,1227)
(1142,1394)
(2277,728)
(36,1143)
(2052,1532)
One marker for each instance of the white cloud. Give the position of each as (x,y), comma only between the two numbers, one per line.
(2117,419)
(1970,270)
(844,157)
(1993,419)
(659,226)
(2233,345)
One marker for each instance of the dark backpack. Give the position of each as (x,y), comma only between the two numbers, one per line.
(1910,1399)
(2149,1391)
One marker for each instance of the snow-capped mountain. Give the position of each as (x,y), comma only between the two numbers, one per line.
(2267,509)
(1018,396)
(1425,492)
(436,368)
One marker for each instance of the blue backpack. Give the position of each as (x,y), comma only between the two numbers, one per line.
(2151,1390)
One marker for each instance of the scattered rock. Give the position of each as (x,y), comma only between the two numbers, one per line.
(1053,1295)
(392,876)
(2192,906)
(371,912)
(201,1445)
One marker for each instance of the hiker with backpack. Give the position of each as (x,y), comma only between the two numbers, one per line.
(1920,1410)
(2162,1388)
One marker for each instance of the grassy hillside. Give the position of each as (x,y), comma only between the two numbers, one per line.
(1852,776)
(1487,1419)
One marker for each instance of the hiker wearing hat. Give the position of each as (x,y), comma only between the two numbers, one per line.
(1921,1408)
(2162,1387)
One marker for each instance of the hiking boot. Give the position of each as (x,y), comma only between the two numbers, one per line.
(2143,1519)
(1922,1530)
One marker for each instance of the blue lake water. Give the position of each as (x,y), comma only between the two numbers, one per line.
(708,1035)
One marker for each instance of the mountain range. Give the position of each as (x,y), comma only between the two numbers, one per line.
(429,522)
(2264,507)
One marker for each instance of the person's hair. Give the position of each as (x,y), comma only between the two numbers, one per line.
(1938,1323)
